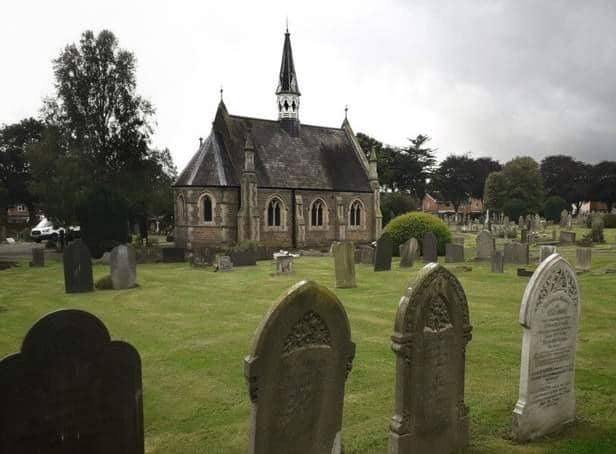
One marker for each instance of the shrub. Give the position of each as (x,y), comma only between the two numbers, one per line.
(514,208)
(610,221)
(415,225)
(553,207)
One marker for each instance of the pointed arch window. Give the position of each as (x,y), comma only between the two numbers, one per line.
(274,213)
(206,208)
(317,213)
(355,214)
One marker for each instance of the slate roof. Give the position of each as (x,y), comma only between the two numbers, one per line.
(287,80)
(319,158)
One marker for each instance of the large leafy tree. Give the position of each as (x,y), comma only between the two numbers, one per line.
(386,158)
(566,177)
(520,180)
(453,179)
(495,192)
(480,169)
(15,174)
(603,186)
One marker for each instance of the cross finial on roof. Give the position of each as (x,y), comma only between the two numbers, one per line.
(346,109)
(287,23)
(221,90)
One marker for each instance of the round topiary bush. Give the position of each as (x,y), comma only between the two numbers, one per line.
(415,225)
(553,206)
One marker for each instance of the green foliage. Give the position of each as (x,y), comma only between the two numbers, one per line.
(603,187)
(514,208)
(415,225)
(453,178)
(519,179)
(566,177)
(103,218)
(480,169)
(553,206)
(610,221)
(396,203)
(495,191)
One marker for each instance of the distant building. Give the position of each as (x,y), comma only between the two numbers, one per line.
(431,204)
(589,207)
(279,182)
(18,214)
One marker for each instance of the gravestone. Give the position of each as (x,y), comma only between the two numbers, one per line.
(284,264)
(38,257)
(521,253)
(563,218)
(224,263)
(549,315)
(553,234)
(71,390)
(173,254)
(366,255)
(384,251)
(454,253)
(77,268)
(408,252)
(123,267)
(509,253)
(497,262)
(583,257)
(202,257)
(458,240)
(567,237)
(431,331)
(344,264)
(296,373)
(545,252)
(485,245)
(245,257)
(428,247)
(524,236)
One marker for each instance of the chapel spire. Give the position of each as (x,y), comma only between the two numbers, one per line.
(287,92)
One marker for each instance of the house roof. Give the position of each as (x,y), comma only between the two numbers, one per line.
(317,158)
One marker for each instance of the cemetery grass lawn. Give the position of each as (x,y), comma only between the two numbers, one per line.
(193,328)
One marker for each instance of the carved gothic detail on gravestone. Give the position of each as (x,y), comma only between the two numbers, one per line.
(559,280)
(296,374)
(430,335)
(309,331)
(71,389)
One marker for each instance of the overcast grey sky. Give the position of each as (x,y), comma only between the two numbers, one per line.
(498,78)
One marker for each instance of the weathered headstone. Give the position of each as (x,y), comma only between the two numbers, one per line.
(454,253)
(123,267)
(431,331)
(38,257)
(549,315)
(545,252)
(344,264)
(202,257)
(524,236)
(77,268)
(563,218)
(428,248)
(366,255)
(485,245)
(553,234)
(71,390)
(583,258)
(284,264)
(408,252)
(384,251)
(567,237)
(224,263)
(173,254)
(521,253)
(497,262)
(296,373)
(244,257)
(509,253)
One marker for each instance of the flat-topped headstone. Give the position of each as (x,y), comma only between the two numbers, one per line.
(366,255)
(384,251)
(77,268)
(123,267)
(497,262)
(344,264)
(509,253)
(224,263)
(431,331)
(38,257)
(454,253)
(545,252)
(285,264)
(549,314)
(583,257)
(245,257)
(521,253)
(296,373)
(429,248)
(408,252)
(202,257)
(71,389)
(485,245)
(567,237)
(173,254)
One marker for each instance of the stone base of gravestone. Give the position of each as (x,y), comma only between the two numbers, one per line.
(497,262)
(223,263)
(454,253)
(567,237)
(285,264)
(173,254)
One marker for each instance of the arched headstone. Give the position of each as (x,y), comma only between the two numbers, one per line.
(77,268)
(71,390)
(384,251)
(296,372)
(549,315)
(431,330)
(429,248)
(344,264)
(123,262)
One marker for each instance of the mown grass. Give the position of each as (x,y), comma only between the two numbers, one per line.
(193,327)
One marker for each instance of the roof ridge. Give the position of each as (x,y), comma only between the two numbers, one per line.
(278,121)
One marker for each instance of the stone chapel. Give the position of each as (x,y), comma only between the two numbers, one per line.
(279,182)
